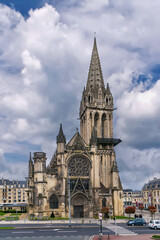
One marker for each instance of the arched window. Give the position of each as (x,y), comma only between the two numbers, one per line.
(53,201)
(103,125)
(96,117)
(89,99)
(103,202)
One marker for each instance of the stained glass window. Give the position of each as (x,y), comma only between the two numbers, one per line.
(79,166)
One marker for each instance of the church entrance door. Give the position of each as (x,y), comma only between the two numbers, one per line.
(78,211)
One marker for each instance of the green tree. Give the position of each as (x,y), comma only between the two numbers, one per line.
(52,215)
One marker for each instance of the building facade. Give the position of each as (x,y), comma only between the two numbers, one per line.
(13,193)
(127,197)
(86,163)
(151,193)
(137,198)
(132,198)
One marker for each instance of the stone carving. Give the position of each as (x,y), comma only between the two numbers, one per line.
(78,144)
(79,166)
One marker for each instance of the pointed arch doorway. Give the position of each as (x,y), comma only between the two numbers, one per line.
(80,205)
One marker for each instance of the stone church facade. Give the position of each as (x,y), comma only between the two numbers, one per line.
(87,162)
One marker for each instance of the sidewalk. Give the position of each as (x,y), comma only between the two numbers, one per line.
(78,221)
(113,237)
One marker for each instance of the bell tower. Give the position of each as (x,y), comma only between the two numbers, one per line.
(97,103)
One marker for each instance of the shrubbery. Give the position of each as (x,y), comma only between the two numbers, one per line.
(105,210)
(52,215)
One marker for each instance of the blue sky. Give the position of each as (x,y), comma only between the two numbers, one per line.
(24,6)
(44,60)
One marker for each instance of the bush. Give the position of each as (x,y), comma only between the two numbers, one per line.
(141,207)
(105,210)
(52,215)
(130,210)
(152,209)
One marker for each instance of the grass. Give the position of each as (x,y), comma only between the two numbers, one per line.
(6,227)
(14,214)
(156,236)
(44,218)
(123,217)
(58,218)
(2,213)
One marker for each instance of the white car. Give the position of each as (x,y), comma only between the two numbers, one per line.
(154,224)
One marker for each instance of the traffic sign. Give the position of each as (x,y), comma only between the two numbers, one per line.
(100,216)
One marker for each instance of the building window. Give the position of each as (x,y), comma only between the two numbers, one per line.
(79,166)
(103,202)
(53,201)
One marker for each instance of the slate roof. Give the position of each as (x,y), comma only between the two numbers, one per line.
(13,182)
(152,184)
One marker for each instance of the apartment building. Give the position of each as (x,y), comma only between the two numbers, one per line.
(127,197)
(132,198)
(137,198)
(151,193)
(13,193)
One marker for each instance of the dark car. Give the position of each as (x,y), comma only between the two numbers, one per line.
(137,222)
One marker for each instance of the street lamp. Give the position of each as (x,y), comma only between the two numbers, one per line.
(69,198)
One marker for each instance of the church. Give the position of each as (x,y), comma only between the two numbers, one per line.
(85,166)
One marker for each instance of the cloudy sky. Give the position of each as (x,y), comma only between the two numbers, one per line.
(45,50)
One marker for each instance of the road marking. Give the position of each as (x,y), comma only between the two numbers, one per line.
(22,232)
(48,230)
(67,231)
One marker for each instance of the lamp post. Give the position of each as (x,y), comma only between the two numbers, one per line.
(69,198)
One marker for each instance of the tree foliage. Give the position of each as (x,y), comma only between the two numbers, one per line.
(105,210)
(152,209)
(52,215)
(129,210)
(141,207)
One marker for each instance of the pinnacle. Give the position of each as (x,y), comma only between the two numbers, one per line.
(108,91)
(30,157)
(61,137)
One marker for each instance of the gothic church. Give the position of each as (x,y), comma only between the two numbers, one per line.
(87,162)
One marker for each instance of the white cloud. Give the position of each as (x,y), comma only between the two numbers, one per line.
(44,64)
(138,116)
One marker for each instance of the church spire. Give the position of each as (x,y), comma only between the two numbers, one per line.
(61,137)
(95,77)
(108,91)
(30,157)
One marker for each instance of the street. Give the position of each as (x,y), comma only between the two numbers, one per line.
(47,231)
(62,231)
(46,234)
(140,229)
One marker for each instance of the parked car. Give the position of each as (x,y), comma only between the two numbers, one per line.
(137,222)
(154,224)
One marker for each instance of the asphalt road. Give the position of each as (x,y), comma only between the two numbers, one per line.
(58,232)
(76,232)
(140,229)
